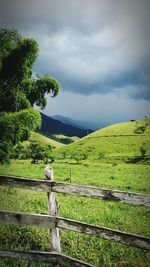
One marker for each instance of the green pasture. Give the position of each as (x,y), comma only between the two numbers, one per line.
(123,140)
(105,164)
(44,140)
(122,176)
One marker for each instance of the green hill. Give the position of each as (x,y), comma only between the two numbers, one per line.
(121,140)
(44,140)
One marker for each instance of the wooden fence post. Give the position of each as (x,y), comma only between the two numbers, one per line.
(53,207)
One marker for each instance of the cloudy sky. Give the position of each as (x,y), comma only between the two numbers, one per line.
(98,50)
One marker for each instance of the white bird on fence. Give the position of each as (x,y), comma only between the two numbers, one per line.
(48,171)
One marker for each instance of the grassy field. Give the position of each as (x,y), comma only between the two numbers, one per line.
(105,165)
(129,177)
(122,141)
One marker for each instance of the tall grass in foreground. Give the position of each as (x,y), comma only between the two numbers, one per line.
(119,216)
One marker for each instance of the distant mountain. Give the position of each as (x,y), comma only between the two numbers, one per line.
(53,126)
(78,123)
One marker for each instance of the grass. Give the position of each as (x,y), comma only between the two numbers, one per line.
(62,136)
(107,151)
(129,177)
(117,141)
(44,140)
(121,176)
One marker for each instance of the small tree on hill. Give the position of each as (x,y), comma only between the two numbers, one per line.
(40,152)
(140,129)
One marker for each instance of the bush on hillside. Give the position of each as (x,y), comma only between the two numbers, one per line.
(101,155)
(34,151)
(140,129)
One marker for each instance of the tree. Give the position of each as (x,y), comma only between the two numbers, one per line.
(14,128)
(17,150)
(19,91)
(40,152)
(9,39)
(35,90)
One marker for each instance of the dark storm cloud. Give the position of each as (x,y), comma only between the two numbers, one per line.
(90,46)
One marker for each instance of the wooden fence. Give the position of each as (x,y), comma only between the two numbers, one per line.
(54,222)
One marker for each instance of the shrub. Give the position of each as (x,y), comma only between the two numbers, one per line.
(102,155)
(140,129)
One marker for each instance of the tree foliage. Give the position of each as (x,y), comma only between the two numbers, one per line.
(15,127)
(35,151)
(9,40)
(40,152)
(19,91)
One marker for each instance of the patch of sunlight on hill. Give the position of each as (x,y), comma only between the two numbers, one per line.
(61,136)
(119,140)
(44,140)
(125,128)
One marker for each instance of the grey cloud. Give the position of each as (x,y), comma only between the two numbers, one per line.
(54,14)
(136,92)
(90,46)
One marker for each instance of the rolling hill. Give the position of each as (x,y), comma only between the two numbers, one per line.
(36,137)
(120,140)
(123,140)
(52,126)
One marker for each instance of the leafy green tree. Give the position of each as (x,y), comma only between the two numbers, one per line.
(9,39)
(5,151)
(36,152)
(40,152)
(14,128)
(19,91)
(17,150)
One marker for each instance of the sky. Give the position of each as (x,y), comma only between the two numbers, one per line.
(98,50)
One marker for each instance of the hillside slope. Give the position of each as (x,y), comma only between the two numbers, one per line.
(36,137)
(119,140)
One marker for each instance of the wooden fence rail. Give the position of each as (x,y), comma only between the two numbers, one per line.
(51,257)
(80,190)
(53,222)
(47,221)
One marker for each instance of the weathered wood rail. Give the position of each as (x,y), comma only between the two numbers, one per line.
(55,222)
(47,221)
(51,257)
(80,190)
